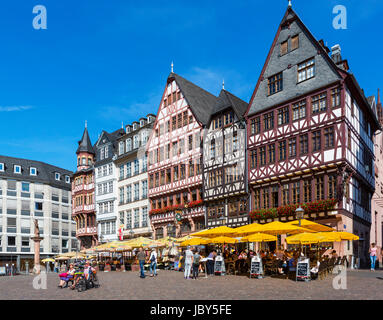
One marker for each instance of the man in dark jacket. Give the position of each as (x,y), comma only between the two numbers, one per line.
(141,256)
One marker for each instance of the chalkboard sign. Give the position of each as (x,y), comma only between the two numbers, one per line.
(256,267)
(219,265)
(303,270)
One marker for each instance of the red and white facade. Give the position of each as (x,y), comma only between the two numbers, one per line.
(175,175)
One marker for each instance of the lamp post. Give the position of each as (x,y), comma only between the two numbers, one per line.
(299,212)
(131,233)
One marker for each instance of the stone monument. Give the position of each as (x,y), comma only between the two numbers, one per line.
(37,239)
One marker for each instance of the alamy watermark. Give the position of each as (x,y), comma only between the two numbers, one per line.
(40,280)
(40,20)
(340,20)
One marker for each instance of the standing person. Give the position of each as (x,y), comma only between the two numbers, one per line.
(373,250)
(210,263)
(188,262)
(141,256)
(56,267)
(153,262)
(196,259)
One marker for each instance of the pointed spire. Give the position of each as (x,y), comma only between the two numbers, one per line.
(84,145)
(290,5)
(122,124)
(223,84)
(172,67)
(86,123)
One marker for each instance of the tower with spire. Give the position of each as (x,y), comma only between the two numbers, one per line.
(83,204)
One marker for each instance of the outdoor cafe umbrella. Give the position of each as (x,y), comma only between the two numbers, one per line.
(259,237)
(242,231)
(216,232)
(311,225)
(222,239)
(305,238)
(48,260)
(277,227)
(179,240)
(194,242)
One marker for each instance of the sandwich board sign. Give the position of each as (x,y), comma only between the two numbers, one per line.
(219,265)
(256,267)
(303,270)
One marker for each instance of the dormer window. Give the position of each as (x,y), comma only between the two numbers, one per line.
(57,176)
(128,129)
(142,123)
(2,167)
(67,179)
(134,126)
(33,171)
(150,119)
(17,169)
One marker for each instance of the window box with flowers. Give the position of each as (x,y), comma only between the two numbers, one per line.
(289,210)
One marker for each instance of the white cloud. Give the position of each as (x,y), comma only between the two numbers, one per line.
(14,108)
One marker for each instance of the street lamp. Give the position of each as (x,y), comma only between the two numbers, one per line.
(299,212)
(131,233)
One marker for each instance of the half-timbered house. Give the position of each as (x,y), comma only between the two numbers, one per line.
(224,169)
(310,130)
(175,152)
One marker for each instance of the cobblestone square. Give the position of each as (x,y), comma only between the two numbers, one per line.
(170,285)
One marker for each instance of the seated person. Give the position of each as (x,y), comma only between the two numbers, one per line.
(88,270)
(64,277)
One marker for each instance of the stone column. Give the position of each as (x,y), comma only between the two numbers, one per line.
(37,240)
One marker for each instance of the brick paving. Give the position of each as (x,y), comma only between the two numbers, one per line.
(361,285)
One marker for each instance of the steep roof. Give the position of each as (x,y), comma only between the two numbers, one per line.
(200,101)
(84,145)
(45,172)
(228,100)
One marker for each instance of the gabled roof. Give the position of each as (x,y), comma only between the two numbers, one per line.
(84,145)
(200,101)
(228,100)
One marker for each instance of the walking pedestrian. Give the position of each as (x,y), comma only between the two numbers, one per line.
(153,263)
(7,269)
(188,262)
(373,250)
(141,256)
(196,260)
(210,262)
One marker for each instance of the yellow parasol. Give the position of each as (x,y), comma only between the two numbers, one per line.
(244,230)
(311,225)
(305,238)
(193,242)
(278,227)
(216,232)
(48,260)
(222,239)
(347,235)
(182,239)
(72,255)
(259,237)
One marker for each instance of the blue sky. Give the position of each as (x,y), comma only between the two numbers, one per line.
(107,63)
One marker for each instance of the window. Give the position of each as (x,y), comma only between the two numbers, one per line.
(67,179)
(228,118)
(137,218)
(136,142)
(299,110)
(145,217)
(144,189)
(268,120)
(306,70)
(32,171)
(307,190)
(17,169)
(265,198)
(285,195)
(2,167)
(316,140)
(319,186)
(253,159)
(331,187)
(256,125)
(136,166)
(25,186)
(282,150)
(128,145)
(24,241)
(275,83)
(303,143)
(284,47)
(283,116)
(235,141)
(274,197)
(329,137)
(121,147)
(292,147)
(272,153)
(294,42)
(11,241)
(296,192)
(128,169)
(128,193)
(257,199)
(212,149)
(262,155)
(335,97)
(136,191)
(319,103)
(57,176)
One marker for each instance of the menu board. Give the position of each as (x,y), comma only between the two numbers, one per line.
(219,265)
(256,267)
(303,270)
